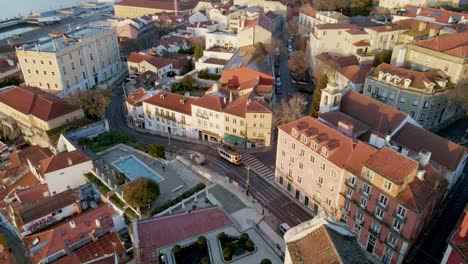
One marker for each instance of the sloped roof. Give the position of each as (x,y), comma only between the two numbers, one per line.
(167,5)
(211,102)
(339,146)
(137,57)
(245,77)
(135,96)
(245,104)
(54,239)
(452,44)
(32,194)
(379,116)
(362,152)
(308,10)
(336,26)
(172,101)
(443,151)
(32,101)
(391,164)
(63,160)
(440,15)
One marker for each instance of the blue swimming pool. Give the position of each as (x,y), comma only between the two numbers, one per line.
(134,168)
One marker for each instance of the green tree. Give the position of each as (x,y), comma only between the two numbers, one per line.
(201,241)
(205,260)
(198,52)
(322,83)
(188,83)
(382,57)
(156,150)
(141,192)
(249,245)
(176,249)
(227,253)
(13,80)
(188,66)
(265,261)
(244,237)
(94,102)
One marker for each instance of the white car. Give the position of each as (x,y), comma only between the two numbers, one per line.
(290,49)
(278,82)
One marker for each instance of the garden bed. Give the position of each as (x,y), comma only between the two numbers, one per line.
(196,252)
(234,248)
(106,140)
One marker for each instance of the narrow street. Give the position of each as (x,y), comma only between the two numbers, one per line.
(281,206)
(432,243)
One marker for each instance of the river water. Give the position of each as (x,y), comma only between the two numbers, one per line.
(13,8)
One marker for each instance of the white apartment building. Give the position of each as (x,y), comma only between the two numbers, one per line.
(170,113)
(221,39)
(208,117)
(340,40)
(80,59)
(309,17)
(213,60)
(200,29)
(220,17)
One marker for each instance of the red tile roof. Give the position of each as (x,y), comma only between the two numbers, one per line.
(135,96)
(336,26)
(167,5)
(26,181)
(443,151)
(452,44)
(362,152)
(157,232)
(392,165)
(55,238)
(211,102)
(32,194)
(63,160)
(459,239)
(357,31)
(137,57)
(379,116)
(32,101)
(245,77)
(440,15)
(407,24)
(308,10)
(339,146)
(333,118)
(245,104)
(172,102)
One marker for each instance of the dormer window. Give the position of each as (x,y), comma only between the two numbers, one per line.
(304,139)
(370,174)
(381,75)
(294,132)
(314,145)
(324,152)
(406,83)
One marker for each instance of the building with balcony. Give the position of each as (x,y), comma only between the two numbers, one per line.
(448,53)
(199,29)
(341,39)
(162,66)
(309,17)
(134,103)
(421,94)
(31,112)
(309,162)
(169,113)
(388,198)
(80,59)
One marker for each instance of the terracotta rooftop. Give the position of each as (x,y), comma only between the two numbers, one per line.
(158,232)
(28,180)
(308,10)
(348,66)
(379,116)
(338,145)
(392,165)
(334,117)
(34,154)
(47,205)
(57,237)
(135,96)
(419,79)
(439,15)
(32,101)
(336,26)
(172,101)
(356,31)
(458,239)
(32,194)
(407,24)
(335,248)
(362,152)
(105,246)
(451,44)
(211,102)
(244,78)
(159,4)
(63,160)
(137,57)
(443,151)
(245,104)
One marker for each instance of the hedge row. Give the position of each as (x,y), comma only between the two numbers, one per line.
(102,188)
(179,198)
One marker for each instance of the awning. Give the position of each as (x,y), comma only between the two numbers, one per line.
(233,139)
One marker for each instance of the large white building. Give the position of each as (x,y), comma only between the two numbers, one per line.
(79,59)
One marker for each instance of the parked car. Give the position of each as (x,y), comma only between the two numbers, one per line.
(278,81)
(290,48)
(283,228)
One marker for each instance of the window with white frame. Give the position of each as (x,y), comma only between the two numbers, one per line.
(401,212)
(322,166)
(379,213)
(302,153)
(375,227)
(331,187)
(352,180)
(333,173)
(294,132)
(383,200)
(285,141)
(314,145)
(363,202)
(357,228)
(397,225)
(293,146)
(359,217)
(312,158)
(291,159)
(320,180)
(347,205)
(388,185)
(324,152)
(349,192)
(370,174)
(392,239)
(304,139)
(301,166)
(283,153)
(290,173)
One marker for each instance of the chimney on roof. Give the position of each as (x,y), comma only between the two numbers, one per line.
(404,152)
(70,162)
(215,87)
(345,128)
(72,224)
(230,96)
(418,11)
(420,174)
(98,223)
(424,157)
(422,25)
(249,101)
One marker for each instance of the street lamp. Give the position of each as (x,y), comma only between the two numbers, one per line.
(247,184)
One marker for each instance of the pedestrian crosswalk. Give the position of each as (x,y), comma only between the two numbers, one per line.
(258,167)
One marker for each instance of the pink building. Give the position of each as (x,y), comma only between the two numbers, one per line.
(309,162)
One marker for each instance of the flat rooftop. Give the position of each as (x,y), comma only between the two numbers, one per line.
(60,42)
(216,61)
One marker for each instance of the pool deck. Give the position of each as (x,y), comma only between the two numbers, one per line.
(176,178)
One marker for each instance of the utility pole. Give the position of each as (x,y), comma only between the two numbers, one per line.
(247,184)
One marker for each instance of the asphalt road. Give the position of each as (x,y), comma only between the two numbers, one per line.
(274,200)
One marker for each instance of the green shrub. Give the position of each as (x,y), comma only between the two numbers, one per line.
(117,201)
(103,189)
(201,241)
(265,261)
(85,141)
(205,260)
(120,177)
(227,254)
(131,213)
(249,245)
(244,237)
(179,198)
(156,151)
(176,249)
(194,206)
(204,74)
